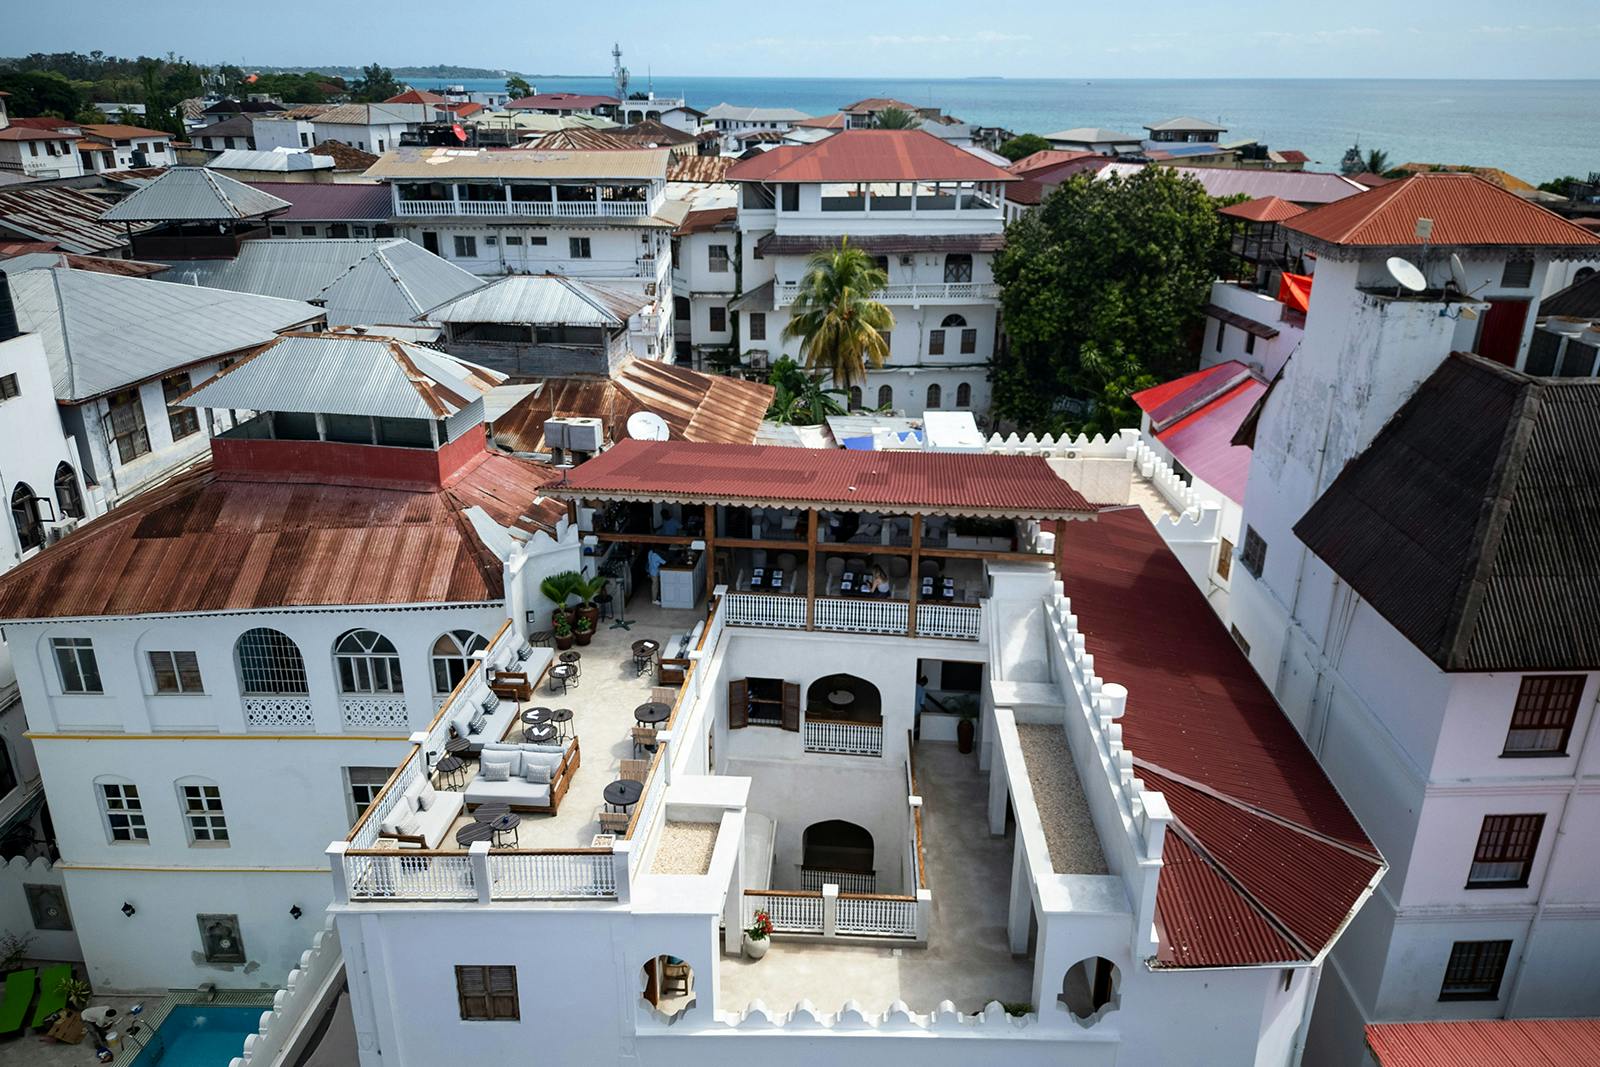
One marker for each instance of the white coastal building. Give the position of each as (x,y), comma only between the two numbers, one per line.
(221,673)
(1412,581)
(705,278)
(734,123)
(933,217)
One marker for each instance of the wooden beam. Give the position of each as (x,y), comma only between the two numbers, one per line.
(711,551)
(811,568)
(646,539)
(916,575)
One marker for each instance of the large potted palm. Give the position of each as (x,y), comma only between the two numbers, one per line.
(558,588)
(586,589)
(841,328)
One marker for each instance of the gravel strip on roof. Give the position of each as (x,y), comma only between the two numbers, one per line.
(1069,832)
(685,848)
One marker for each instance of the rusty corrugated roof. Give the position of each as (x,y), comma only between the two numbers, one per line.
(699,169)
(1285,862)
(1263,209)
(711,218)
(1487,1043)
(66,218)
(869,156)
(206,542)
(695,406)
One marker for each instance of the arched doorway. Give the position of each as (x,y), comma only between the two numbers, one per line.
(844,697)
(837,852)
(1092,988)
(668,985)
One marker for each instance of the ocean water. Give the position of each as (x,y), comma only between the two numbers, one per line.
(1537,130)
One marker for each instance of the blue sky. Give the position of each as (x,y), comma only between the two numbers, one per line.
(829,38)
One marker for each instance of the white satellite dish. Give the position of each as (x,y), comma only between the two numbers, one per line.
(1406,273)
(647,426)
(1458,274)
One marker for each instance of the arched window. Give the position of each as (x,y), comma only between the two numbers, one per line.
(885,396)
(855,397)
(933,395)
(367,663)
(452,655)
(69,499)
(958,267)
(270,662)
(25,513)
(964,395)
(953,322)
(840,853)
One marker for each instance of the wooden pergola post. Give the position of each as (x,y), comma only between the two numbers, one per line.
(916,575)
(711,552)
(811,568)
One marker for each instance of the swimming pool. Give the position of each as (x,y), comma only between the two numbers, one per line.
(199,1035)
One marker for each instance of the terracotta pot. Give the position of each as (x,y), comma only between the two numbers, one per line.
(756,949)
(590,612)
(583,637)
(564,643)
(965,730)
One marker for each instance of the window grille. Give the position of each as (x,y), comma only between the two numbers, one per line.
(1542,720)
(270,662)
(367,662)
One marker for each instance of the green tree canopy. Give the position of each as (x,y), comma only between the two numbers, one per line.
(895,118)
(1100,288)
(840,327)
(1561,186)
(518,87)
(376,84)
(799,398)
(36,93)
(1022,146)
(1377,161)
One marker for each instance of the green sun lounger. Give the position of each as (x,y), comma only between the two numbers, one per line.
(18,994)
(51,997)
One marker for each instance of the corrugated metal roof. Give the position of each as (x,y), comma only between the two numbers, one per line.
(1299,186)
(1263,209)
(1580,300)
(203,542)
(583,139)
(346,374)
(1487,1043)
(66,218)
(440,164)
(734,113)
(1472,521)
(700,169)
(1203,440)
(372,114)
(1187,122)
(695,406)
(286,162)
(116,131)
(133,268)
(1466,210)
(331,201)
(939,483)
(384,282)
(193,194)
(542,299)
(1288,861)
(104,331)
(1093,135)
(559,102)
(869,156)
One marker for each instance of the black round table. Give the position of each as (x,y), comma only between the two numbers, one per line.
(571,658)
(623,793)
(451,767)
(562,675)
(458,746)
(490,812)
(644,647)
(506,824)
(559,718)
(653,713)
(474,832)
(536,716)
(542,734)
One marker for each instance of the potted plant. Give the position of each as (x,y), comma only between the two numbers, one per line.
(561,626)
(758,936)
(583,630)
(587,589)
(965,706)
(558,588)
(13,951)
(76,991)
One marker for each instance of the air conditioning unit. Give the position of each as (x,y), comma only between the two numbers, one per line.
(575,434)
(555,433)
(56,531)
(906,261)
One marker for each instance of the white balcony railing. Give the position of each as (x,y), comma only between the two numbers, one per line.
(784,293)
(859,616)
(566,209)
(828,913)
(844,738)
(278,711)
(960,621)
(849,881)
(552,875)
(375,712)
(765,609)
(791,913)
(871,916)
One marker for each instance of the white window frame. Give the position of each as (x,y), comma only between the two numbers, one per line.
(200,805)
(367,662)
(370,781)
(81,652)
(118,799)
(169,660)
(462,658)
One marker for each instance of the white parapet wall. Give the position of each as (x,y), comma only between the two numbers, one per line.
(1098,467)
(17,877)
(297,1006)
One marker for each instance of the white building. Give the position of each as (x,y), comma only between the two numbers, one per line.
(1096,139)
(36,153)
(931,214)
(1387,589)
(372,128)
(132,146)
(912,888)
(705,277)
(731,121)
(245,651)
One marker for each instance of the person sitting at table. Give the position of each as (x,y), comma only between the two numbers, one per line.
(879,584)
(670,526)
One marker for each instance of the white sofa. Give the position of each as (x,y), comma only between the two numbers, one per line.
(538,778)
(492,721)
(422,815)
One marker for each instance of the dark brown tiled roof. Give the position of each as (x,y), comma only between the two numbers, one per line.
(208,542)
(344,156)
(774,244)
(710,218)
(1580,300)
(1472,521)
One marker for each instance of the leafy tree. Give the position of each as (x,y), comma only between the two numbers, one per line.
(1022,146)
(40,93)
(375,84)
(799,399)
(518,87)
(1100,288)
(895,118)
(1561,186)
(1377,161)
(840,327)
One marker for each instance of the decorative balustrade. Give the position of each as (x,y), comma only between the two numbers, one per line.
(398,875)
(766,609)
(791,913)
(959,621)
(828,913)
(814,878)
(574,209)
(859,616)
(843,737)
(375,712)
(876,916)
(278,712)
(785,293)
(552,875)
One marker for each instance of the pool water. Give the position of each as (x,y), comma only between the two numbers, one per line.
(199,1035)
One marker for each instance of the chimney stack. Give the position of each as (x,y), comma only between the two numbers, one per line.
(8,311)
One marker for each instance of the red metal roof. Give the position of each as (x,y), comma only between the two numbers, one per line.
(837,121)
(1263,209)
(940,482)
(559,102)
(1487,1043)
(416,96)
(28,133)
(1288,862)
(869,156)
(330,201)
(1465,209)
(1047,158)
(1196,417)
(209,542)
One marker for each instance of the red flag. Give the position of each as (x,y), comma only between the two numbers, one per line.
(461,135)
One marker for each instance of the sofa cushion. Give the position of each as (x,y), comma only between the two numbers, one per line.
(536,772)
(516,792)
(461,721)
(491,770)
(476,725)
(409,824)
(491,700)
(425,795)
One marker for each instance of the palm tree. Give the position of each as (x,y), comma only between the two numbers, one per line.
(1377,161)
(895,118)
(840,327)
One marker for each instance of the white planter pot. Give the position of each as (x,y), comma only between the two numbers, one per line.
(756,949)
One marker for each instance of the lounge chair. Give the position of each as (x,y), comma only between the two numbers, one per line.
(18,995)
(615,822)
(52,997)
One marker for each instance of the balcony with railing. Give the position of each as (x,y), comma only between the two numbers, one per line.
(529,201)
(784,293)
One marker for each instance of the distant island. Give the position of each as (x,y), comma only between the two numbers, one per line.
(439,71)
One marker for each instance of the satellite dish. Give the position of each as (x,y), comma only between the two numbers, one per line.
(1458,274)
(647,426)
(1407,274)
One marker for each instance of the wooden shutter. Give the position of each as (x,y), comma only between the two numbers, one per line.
(503,993)
(472,990)
(791,706)
(738,704)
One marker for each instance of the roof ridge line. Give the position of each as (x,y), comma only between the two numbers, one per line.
(1253,809)
(1253,902)
(1491,525)
(382,257)
(66,336)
